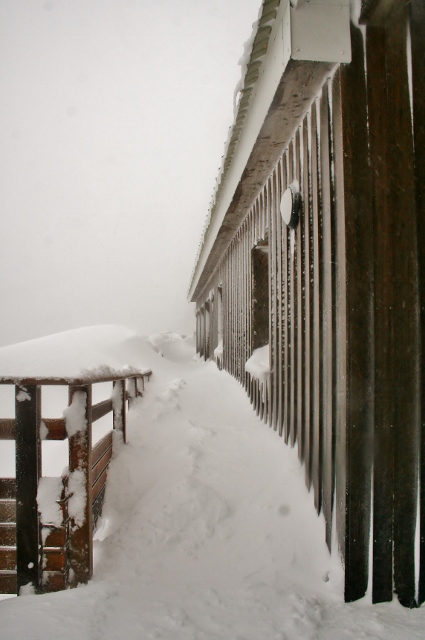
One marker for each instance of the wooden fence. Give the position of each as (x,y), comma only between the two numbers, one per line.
(345,305)
(39,554)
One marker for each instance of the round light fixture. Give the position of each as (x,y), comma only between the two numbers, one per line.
(290,205)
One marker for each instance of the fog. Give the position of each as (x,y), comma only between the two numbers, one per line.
(113,119)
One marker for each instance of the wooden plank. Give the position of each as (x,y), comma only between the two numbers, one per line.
(378,12)
(280,300)
(313,433)
(54,581)
(307,277)
(98,505)
(7,559)
(80,464)
(273,379)
(293,314)
(54,559)
(101,448)
(417,30)
(383,516)
(7,511)
(56,429)
(355,237)
(285,302)
(28,472)
(8,582)
(101,409)
(56,536)
(7,428)
(7,488)
(325,369)
(405,315)
(99,483)
(101,464)
(299,310)
(7,535)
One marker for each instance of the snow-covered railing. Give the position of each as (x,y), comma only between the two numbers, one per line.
(46,524)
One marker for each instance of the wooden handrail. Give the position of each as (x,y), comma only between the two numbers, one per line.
(46,556)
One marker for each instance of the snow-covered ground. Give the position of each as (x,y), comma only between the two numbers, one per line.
(208,531)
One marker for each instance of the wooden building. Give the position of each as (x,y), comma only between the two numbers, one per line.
(314,250)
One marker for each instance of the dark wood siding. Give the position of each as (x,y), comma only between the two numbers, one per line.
(346,305)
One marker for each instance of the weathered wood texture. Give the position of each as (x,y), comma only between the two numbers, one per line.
(346,310)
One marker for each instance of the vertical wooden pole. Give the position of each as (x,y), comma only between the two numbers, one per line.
(119,408)
(326,400)
(417,30)
(28,472)
(355,310)
(79,425)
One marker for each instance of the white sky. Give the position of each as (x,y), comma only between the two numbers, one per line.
(113,118)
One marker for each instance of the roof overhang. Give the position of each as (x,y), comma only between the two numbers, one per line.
(307,40)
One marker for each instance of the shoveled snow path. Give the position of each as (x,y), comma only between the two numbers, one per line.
(208,533)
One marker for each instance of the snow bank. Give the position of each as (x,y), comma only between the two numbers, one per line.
(258,364)
(88,352)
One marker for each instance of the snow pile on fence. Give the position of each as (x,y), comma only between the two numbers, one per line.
(89,352)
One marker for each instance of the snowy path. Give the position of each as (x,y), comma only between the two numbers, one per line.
(208,532)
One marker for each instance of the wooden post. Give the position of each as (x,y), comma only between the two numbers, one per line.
(78,424)
(28,472)
(119,408)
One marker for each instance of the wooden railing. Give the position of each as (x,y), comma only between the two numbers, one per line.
(39,554)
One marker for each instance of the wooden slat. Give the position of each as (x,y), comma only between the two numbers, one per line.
(101,409)
(54,581)
(8,582)
(280,300)
(417,30)
(355,236)
(285,301)
(406,311)
(101,447)
(28,472)
(299,309)
(54,559)
(7,559)
(101,464)
(293,315)
(7,511)
(385,373)
(99,484)
(56,429)
(325,321)
(7,488)
(7,428)
(7,535)
(57,537)
(312,444)
(273,300)
(98,505)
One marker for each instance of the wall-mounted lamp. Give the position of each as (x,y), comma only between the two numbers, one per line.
(290,205)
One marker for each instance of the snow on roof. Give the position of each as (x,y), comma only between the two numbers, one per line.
(255,49)
(88,352)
